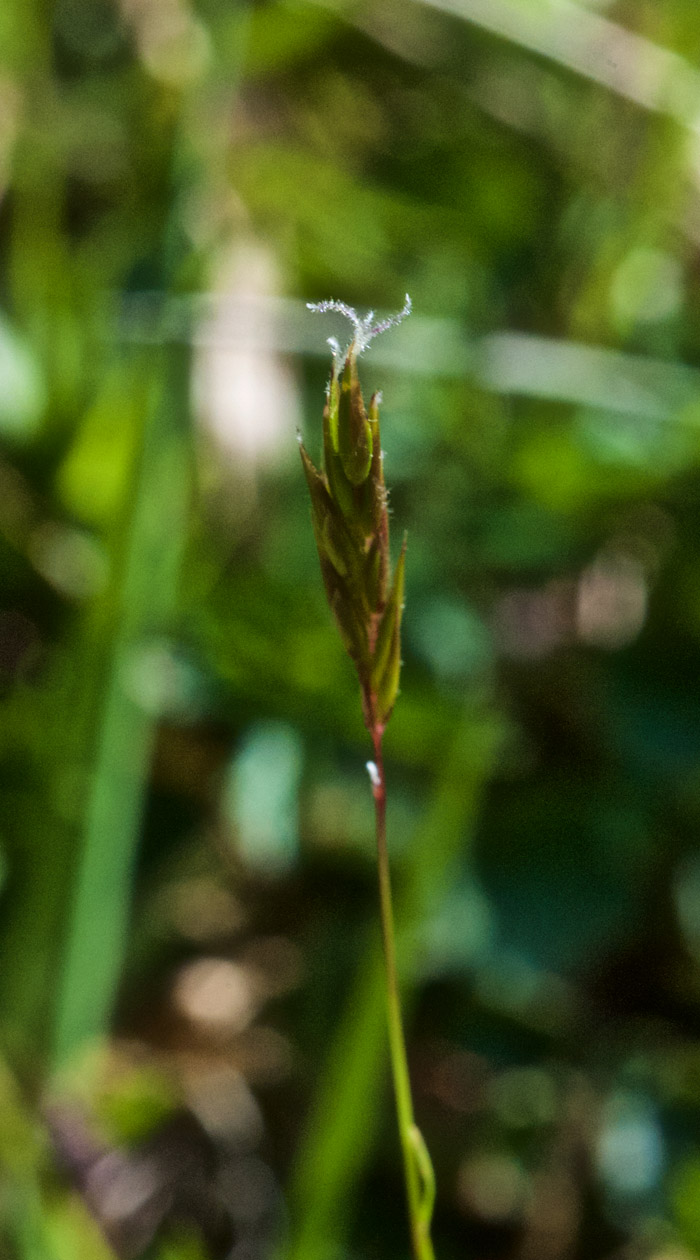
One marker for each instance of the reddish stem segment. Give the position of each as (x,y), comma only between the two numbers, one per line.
(418,1172)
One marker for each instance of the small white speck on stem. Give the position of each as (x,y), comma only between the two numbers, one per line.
(374,776)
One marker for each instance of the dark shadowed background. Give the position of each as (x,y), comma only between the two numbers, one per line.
(192,1042)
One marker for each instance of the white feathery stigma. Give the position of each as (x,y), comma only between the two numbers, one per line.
(365,329)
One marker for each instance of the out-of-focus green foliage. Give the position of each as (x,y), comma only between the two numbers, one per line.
(192,1036)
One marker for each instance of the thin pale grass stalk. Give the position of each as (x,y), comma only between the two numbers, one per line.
(351,526)
(418,1168)
(340,1135)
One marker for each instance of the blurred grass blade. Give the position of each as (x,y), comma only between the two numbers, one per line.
(98,922)
(652,76)
(19,1158)
(40,1226)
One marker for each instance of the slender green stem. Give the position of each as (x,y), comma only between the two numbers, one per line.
(420,1182)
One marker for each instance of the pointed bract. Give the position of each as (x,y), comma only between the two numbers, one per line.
(351,526)
(318,486)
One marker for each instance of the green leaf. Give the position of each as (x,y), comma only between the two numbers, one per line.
(332,538)
(375,576)
(373,508)
(330,411)
(386,666)
(342,490)
(354,432)
(338,547)
(353,631)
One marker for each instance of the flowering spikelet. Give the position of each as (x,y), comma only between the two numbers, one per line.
(351,524)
